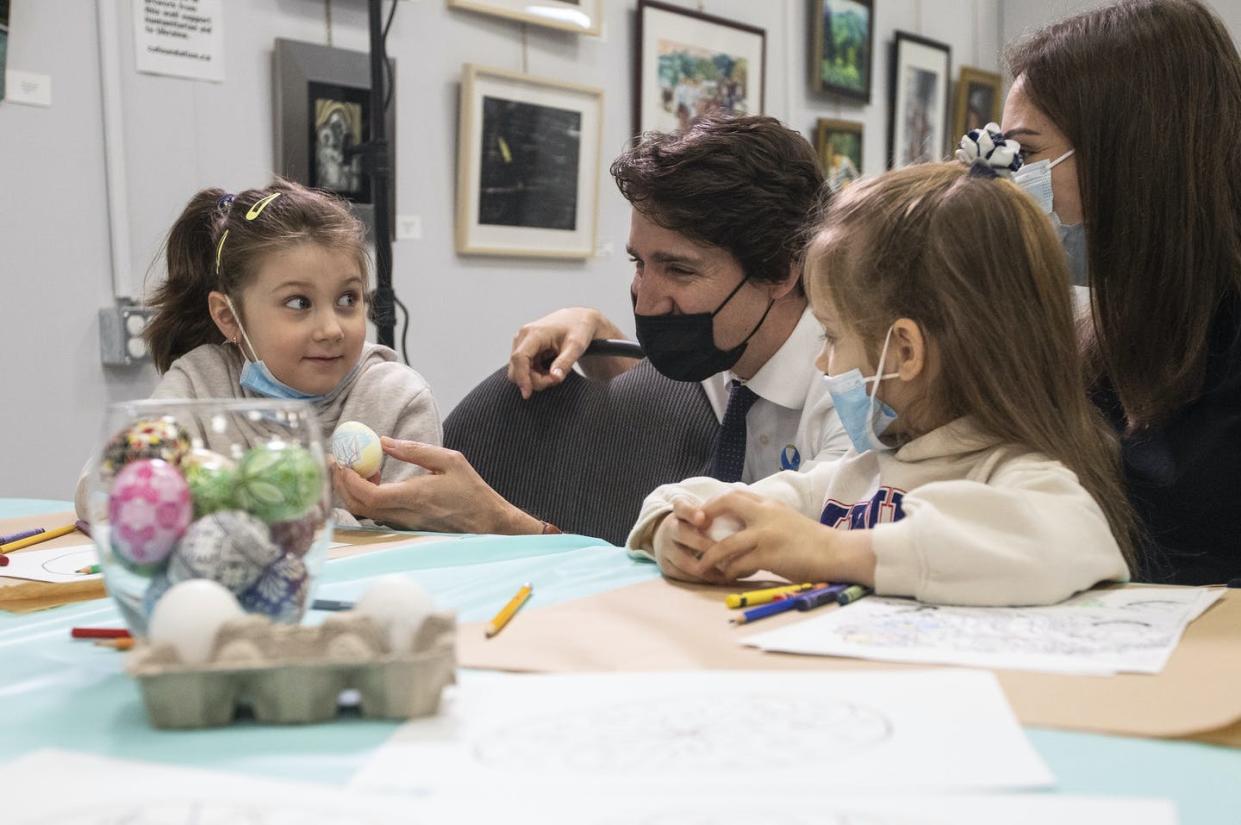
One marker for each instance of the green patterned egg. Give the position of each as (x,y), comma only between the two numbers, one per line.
(278,481)
(212,479)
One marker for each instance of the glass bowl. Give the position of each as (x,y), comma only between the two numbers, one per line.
(236,491)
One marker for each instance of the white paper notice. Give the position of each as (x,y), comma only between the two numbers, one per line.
(182,38)
(1100,632)
(109,791)
(52,564)
(700,732)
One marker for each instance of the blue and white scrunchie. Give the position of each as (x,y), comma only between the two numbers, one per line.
(989,148)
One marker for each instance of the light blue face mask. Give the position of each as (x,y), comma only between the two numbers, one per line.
(258,379)
(863,416)
(1035,178)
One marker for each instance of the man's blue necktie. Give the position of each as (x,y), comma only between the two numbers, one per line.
(729,458)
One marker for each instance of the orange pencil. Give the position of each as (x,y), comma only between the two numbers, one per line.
(506,613)
(116,644)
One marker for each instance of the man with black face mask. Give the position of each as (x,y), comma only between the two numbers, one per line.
(715,240)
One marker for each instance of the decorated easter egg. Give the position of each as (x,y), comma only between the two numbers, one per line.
(149,508)
(229,547)
(212,479)
(356,446)
(279,481)
(398,605)
(160,438)
(296,537)
(190,615)
(281,591)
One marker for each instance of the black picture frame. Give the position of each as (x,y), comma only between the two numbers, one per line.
(917,96)
(303,73)
(819,52)
(707,26)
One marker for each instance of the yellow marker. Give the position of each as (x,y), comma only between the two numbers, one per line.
(755,597)
(50,534)
(506,613)
(258,208)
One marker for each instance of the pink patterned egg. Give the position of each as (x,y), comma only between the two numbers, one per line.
(149,508)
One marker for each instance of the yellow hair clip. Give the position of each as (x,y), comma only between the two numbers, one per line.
(219,250)
(258,208)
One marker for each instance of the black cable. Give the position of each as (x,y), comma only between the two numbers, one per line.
(404,328)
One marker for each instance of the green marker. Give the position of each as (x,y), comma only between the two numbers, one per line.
(852,594)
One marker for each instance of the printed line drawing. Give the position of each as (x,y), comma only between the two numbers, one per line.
(667,733)
(70,562)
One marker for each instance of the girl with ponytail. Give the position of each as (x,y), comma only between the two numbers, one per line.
(265,296)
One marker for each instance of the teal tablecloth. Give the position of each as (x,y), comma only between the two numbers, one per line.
(60,693)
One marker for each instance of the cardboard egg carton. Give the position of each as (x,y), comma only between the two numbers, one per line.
(290,674)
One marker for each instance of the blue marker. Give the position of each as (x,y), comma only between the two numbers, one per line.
(763,611)
(818,598)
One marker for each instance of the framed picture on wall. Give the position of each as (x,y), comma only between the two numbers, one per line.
(918,113)
(844,38)
(527,165)
(323,114)
(839,143)
(585,16)
(979,101)
(690,63)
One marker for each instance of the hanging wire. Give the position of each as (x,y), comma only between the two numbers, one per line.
(327,19)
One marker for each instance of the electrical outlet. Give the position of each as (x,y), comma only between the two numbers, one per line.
(120,334)
(409,227)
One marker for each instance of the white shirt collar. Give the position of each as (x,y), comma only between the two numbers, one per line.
(790,370)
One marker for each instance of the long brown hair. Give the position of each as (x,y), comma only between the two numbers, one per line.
(746,184)
(977,266)
(1148,93)
(299,215)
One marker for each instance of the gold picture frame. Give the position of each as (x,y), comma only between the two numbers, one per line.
(979,101)
(840,144)
(581,16)
(528,158)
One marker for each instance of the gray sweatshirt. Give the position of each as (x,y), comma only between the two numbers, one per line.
(384,394)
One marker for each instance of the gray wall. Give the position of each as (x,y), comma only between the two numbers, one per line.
(182,135)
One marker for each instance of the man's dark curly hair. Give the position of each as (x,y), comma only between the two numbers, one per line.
(745,184)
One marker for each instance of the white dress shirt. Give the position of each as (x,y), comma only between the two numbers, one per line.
(792,423)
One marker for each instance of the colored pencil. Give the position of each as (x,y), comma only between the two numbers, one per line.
(25,534)
(116,644)
(509,610)
(753,598)
(764,610)
(93,568)
(46,535)
(330,604)
(4,560)
(99,633)
(852,594)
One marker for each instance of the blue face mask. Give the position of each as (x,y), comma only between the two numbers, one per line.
(864,417)
(1035,178)
(258,379)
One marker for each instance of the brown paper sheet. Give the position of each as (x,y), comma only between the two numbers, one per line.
(661,625)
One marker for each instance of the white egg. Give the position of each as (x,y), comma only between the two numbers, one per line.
(723,526)
(353,444)
(189,616)
(399,606)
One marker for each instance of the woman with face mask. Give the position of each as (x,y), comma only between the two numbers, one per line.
(1128,117)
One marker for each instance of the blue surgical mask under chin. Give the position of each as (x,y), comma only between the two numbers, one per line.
(258,379)
(863,416)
